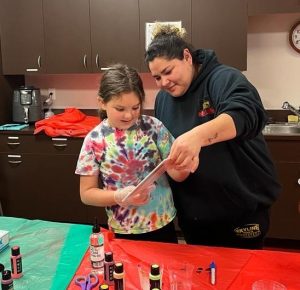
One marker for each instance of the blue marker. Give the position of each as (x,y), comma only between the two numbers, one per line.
(212,267)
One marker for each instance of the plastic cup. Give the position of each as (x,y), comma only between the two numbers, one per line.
(143,276)
(267,285)
(180,276)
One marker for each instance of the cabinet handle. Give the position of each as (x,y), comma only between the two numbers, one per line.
(60,145)
(59,139)
(105,68)
(14,161)
(39,61)
(97,60)
(84,61)
(13,143)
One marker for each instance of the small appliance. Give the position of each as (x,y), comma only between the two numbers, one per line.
(27,105)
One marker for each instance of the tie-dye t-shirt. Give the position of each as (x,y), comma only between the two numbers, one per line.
(124,157)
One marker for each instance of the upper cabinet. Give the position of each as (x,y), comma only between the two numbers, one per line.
(222,26)
(85,36)
(67,36)
(163,10)
(115,33)
(257,7)
(22,36)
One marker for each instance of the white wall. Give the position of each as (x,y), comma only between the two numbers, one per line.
(273,68)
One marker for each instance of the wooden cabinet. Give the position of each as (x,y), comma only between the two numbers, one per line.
(209,24)
(163,10)
(67,36)
(37,179)
(78,36)
(88,36)
(257,7)
(115,33)
(22,37)
(285,213)
(222,26)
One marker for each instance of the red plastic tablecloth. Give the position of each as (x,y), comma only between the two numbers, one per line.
(236,269)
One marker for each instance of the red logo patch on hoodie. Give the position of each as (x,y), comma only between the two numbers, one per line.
(206,109)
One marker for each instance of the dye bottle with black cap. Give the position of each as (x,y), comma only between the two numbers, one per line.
(16,262)
(108,268)
(154,277)
(7,282)
(119,277)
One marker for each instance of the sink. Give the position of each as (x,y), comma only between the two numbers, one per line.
(282,129)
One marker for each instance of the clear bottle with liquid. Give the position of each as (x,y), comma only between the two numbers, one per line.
(97,249)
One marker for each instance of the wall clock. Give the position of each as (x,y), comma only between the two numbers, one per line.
(294,36)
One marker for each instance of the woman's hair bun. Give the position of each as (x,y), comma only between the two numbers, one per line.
(161,30)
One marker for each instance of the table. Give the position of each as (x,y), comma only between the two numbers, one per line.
(237,269)
(51,251)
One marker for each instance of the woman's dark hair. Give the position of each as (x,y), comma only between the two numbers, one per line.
(119,79)
(168,42)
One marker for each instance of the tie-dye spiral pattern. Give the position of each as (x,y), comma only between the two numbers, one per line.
(124,157)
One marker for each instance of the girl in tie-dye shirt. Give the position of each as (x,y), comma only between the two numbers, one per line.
(122,150)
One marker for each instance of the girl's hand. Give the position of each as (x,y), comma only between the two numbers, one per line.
(124,198)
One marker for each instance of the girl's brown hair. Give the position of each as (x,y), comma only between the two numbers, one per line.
(119,79)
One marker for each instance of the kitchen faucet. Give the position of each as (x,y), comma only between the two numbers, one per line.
(287,106)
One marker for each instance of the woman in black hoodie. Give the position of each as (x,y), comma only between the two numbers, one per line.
(217,117)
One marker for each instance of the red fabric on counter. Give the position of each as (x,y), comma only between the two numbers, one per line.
(71,123)
(236,269)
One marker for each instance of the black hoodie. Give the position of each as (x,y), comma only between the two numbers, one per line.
(236,176)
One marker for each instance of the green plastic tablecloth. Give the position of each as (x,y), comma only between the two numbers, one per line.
(51,251)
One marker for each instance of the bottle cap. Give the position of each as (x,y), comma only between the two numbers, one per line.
(6,275)
(103,287)
(96,227)
(155,269)
(118,268)
(15,250)
(108,256)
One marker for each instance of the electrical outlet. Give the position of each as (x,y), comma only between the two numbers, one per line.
(52,92)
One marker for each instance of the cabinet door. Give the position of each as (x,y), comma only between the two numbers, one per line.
(22,38)
(67,36)
(41,187)
(163,10)
(256,7)
(114,33)
(285,213)
(222,26)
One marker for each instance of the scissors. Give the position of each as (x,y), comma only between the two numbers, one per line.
(87,282)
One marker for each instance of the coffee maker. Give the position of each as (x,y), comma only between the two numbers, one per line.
(27,105)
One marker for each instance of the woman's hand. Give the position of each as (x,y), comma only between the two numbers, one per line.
(186,148)
(185,151)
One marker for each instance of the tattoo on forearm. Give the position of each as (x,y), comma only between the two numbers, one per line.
(211,139)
